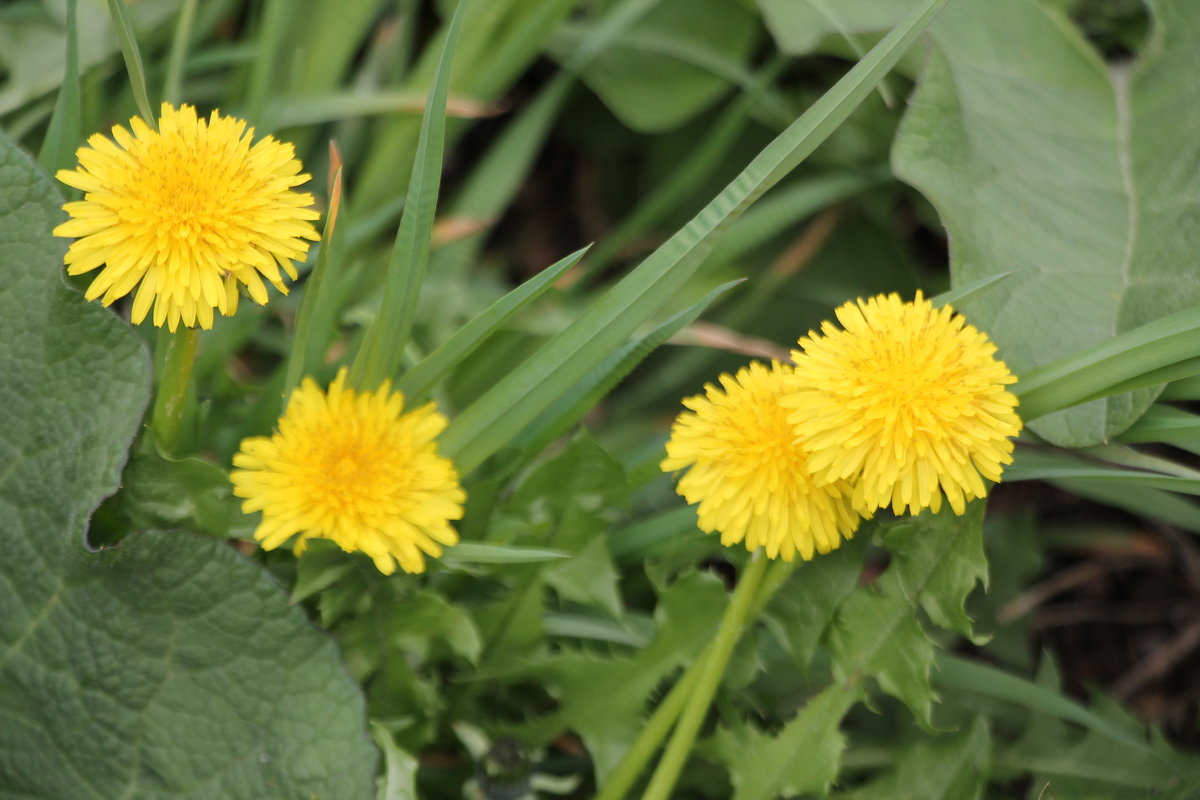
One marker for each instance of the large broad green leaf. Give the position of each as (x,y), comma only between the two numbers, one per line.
(802,758)
(672,64)
(168,666)
(1081,178)
(936,560)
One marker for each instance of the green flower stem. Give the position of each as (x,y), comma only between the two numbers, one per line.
(653,732)
(730,630)
(173,358)
(659,725)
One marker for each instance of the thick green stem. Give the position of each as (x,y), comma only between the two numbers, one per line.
(659,725)
(174,355)
(730,630)
(653,732)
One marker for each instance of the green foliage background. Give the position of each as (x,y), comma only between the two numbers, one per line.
(1055,142)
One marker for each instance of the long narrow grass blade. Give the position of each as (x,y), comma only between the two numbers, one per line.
(1145,502)
(496,417)
(133,61)
(416,382)
(1041,465)
(1115,365)
(312,321)
(788,206)
(1163,424)
(959,673)
(66,128)
(961,295)
(336,106)
(681,185)
(465,553)
(173,83)
(1182,389)
(499,175)
(383,346)
(264,71)
(583,397)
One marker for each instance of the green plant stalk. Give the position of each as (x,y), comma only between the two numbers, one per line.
(667,712)
(173,83)
(174,355)
(694,712)
(653,732)
(133,60)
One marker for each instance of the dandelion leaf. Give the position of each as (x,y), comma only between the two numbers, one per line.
(1077,176)
(803,608)
(936,560)
(949,767)
(167,666)
(802,758)
(605,699)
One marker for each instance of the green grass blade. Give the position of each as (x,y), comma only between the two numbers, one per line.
(960,673)
(1183,389)
(314,109)
(788,206)
(1145,502)
(65,132)
(630,545)
(1180,370)
(176,60)
(382,349)
(507,408)
(1158,349)
(961,295)
(499,175)
(416,383)
(690,173)
(315,316)
(466,553)
(1163,424)
(264,70)
(1108,468)
(567,410)
(133,61)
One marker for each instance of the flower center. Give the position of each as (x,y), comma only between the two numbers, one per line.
(355,471)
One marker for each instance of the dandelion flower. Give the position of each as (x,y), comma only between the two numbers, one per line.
(748,472)
(184,214)
(352,467)
(906,402)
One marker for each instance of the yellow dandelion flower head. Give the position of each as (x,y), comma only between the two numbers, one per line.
(185,213)
(353,467)
(748,472)
(905,401)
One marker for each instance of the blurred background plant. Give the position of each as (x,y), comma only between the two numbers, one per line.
(1016,155)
